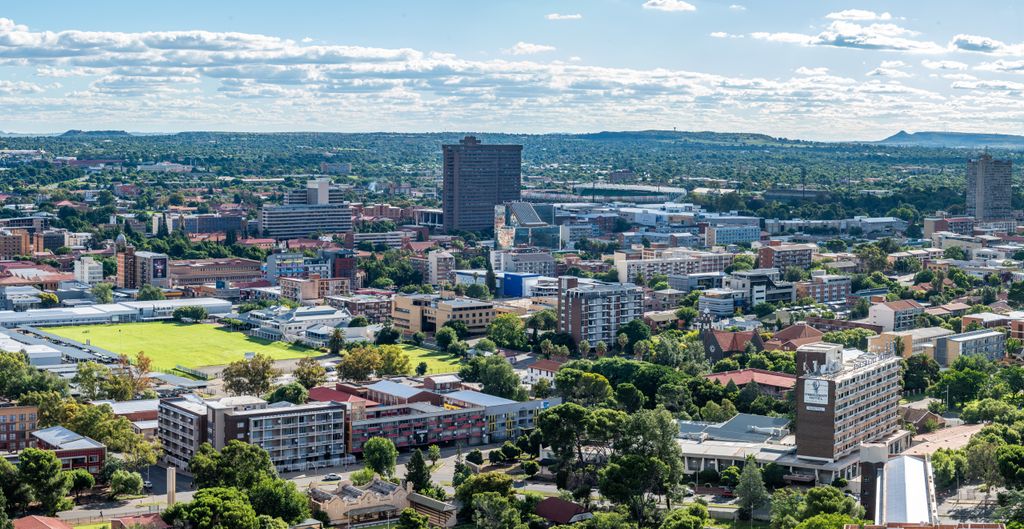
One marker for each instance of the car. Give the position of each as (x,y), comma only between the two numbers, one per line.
(332,477)
(147,484)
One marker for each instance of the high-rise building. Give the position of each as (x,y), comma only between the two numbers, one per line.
(135,269)
(846,398)
(14,243)
(784,256)
(988,189)
(477,178)
(319,208)
(88,270)
(594,310)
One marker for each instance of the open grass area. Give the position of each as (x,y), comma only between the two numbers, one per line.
(437,361)
(98,525)
(170,344)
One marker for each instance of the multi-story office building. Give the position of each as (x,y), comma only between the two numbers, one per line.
(477,178)
(14,243)
(958,225)
(16,426)
(698,281)
(899,315)
(317,191)
(824,288)
(88,270)
(203,223)
(312,289)
(594,310)
(186,272)
(429,312)
(49,240)
(670,261)
(377,309)
(304,220)
(135,269)
(440,265)
(761,285)
(989,189)
(297,437)
(524,261)
(723,235)
(719,302)
(784,256)
(987,343)
(292,264)
(181,428)
(846,398)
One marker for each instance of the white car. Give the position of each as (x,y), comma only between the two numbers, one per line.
(332,477)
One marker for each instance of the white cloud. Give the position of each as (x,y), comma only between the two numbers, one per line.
(669,5)
(889,72)
(724,35)
(846,34)
(975,43)
(893,64)
(859,15)
(737,7)
(943,65)
(559,16)
(575,58)
(1002,65)
(188,80)
(528,48)
(803,70)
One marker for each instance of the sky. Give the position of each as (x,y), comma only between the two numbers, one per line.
(818,69)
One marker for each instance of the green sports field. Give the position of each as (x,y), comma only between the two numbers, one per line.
(171,344)
(437,362)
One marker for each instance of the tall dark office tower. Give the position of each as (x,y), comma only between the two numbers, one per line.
(988,189)
(477,178)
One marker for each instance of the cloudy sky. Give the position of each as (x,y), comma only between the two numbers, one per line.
(816,69)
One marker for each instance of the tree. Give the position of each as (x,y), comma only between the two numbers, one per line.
(380,455)
(214,508)
(629,397)
(954,252)
(191,312)
(919,372)
(359,321)
(410,519)
(496,482)
(336,342)
(281,499)
(635,331)
(591,390)
(491,510)
(150,293)
(17,377)
(417,338)
(750,489)
(89,378)
(830,500)
(476,457)
(393,361)
(387,335)
(294,392)
(622,341)
(496,375)
(434,454)
(103,292)
(632,480)
(238,465)
(14,490)
(445,336)
(416,471)
(1009,462)
(530,468)
(786,504)
(542,389)
(125,483)
(828,521)
(250,377)
(40,470)
(359,363)
(421,369)
(310,373)
(81,481)
(544,320)
(507,330)
(948,467)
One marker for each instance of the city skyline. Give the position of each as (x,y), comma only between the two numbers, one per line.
(824,71)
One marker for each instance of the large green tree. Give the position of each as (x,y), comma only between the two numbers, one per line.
(279,498)
(239,465)
(250,377)
(380,455)
(214,508)
(41,471)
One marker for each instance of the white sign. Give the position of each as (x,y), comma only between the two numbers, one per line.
(815,391)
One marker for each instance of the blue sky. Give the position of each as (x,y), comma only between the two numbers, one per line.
(808,69)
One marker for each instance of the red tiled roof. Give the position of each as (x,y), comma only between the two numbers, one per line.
(558,510)
(763,377)
(546,365)
(733,341)
(327,394)
(143,521)
(40,522)
(903,304)
(800,330)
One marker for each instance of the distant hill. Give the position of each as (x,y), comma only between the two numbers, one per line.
(965,140)
(699,136)
(94,133)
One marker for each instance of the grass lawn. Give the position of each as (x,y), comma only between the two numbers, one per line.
(98,525)
(437,361)
(170,344)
